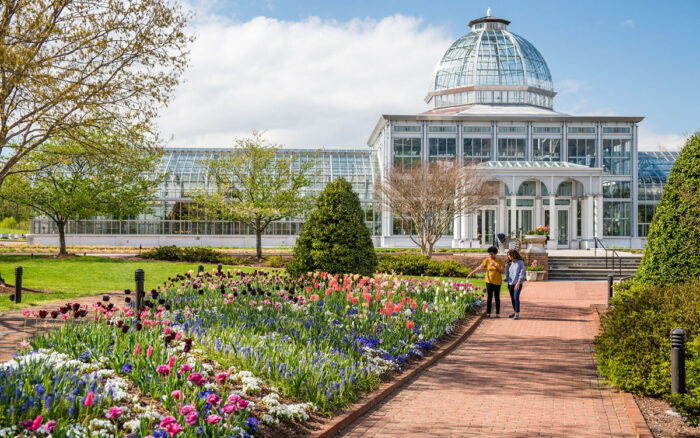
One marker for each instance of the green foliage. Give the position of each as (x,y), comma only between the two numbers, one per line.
(9,223)
(408,264)
(83,183)
(174,253)
(633,348)
(672,254)
(335,238)
(256,184)
(276,261)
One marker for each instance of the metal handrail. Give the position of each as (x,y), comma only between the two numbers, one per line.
(615,255)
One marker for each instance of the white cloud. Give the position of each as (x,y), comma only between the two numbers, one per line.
(628,23)
(308,83)
(650,140)
(569,86)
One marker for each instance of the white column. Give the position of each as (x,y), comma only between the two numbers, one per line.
(587,220)
(502,222)
(553,225)
(573,220)
(539,213)
(599,216)
(457,230)
(513,211)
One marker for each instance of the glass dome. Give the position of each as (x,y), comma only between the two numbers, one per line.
(491,65)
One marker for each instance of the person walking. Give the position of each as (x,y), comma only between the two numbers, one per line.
(515,276)
(494,268)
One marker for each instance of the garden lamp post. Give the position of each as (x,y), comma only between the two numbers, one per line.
(678,361)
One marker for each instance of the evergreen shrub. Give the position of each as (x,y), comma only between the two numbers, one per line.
(335,238)
(672,253)
(191,254)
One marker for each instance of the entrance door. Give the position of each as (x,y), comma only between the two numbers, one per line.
(523,220)
(486,227)
(563,227)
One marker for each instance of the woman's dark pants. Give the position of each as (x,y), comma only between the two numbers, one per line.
(493,291)
(515,296)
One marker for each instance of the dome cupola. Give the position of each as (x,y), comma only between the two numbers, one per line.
(491,65)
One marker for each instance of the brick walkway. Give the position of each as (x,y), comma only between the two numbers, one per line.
(532,377)
(14,327)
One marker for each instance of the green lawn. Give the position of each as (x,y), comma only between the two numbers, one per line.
(81,276)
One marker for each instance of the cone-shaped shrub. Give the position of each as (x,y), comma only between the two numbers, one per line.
(672,253)
(335,238)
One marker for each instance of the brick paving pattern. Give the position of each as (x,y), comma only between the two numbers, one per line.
(531,377)
(14,327)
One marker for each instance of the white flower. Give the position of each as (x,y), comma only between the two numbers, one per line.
(269,419)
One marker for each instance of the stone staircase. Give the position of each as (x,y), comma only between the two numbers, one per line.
(589,268)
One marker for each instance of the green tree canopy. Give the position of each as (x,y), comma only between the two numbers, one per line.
(672,253)
(70,66)
(257,183)
(85,184)
(335,238)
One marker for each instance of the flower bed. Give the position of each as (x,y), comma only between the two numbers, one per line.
(230,354)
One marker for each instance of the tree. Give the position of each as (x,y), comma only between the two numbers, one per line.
(70,66)
(256,184)
(85,184)
(335,238)
(426,198)
(671,254)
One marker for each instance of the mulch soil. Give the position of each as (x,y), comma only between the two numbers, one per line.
(662,420)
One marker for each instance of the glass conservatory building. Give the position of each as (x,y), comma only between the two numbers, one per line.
(491,105)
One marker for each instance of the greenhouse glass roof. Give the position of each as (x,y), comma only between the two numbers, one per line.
(654,167)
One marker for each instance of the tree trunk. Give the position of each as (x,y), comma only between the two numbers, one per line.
(258,240)
(61,237)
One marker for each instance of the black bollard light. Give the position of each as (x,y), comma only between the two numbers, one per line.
(610,288)
(200,269)
(678,361)
(140,278)
(223,289)
(18,284)
(220,268)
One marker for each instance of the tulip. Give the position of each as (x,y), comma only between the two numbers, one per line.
(50,426)
(213,419)
(171,362)
(176,394)
(114,412)
(138,349)
(88,398)
(149,351)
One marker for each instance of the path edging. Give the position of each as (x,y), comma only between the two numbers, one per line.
(368,402)
(641,428)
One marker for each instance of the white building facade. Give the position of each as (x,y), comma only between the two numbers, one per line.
(492,104)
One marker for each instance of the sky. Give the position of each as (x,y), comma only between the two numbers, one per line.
(313,73)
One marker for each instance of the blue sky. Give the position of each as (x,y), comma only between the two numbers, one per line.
(616,58)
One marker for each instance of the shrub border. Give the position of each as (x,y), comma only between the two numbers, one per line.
(342,421)
(641,428)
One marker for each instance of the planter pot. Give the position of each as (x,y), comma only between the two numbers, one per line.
(531,275)
(535,244)
(540,275)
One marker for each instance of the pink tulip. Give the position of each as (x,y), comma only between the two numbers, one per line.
(114,412)
(50,426)
(36,424)
(88,399)
(229,408)
(197,379)
(171,362)
(149,352)
(163,369)
(213,399)
(185,369)
(138,349)
(187,409)
(176,394)
(178,336)
(243,403)
(213,419)
(221,377)
(191,418)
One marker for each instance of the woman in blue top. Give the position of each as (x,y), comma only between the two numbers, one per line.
(515,276)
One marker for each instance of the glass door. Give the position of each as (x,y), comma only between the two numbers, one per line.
(486,227)
(563,227)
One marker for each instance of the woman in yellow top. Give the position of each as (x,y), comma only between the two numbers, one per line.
(494,269)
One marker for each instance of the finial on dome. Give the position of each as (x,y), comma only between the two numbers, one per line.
(488,12)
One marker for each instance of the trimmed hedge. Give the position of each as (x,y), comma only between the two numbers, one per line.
(672,254)
(633,349)
(190,254)
(408,264)
(335,238)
